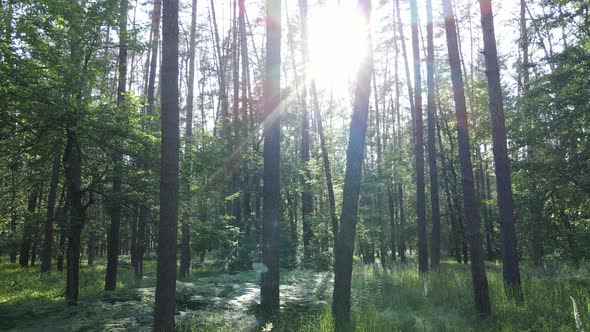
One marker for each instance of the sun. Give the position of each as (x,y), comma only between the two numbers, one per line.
(336,45)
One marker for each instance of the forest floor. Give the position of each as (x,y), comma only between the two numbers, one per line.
(397,299)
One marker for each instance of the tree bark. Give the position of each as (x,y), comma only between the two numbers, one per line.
(306,194)
(185,248)
(478,273)
(167,228)
(28,230)
(222,78)
(271,191)
(141,240)
(73,175)
(510,266)
(352,181)
(434,199)
(114,238)
(419,145)
(326,162)
(50,214)
(151,91)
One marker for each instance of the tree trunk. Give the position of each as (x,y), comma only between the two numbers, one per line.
(115,201)
(28,230)
(237,151)
(326,162)
(62,222)
(306,194)
(510,266)
(141,240)
(478,273)
(352,180)
(391,206)
(245,124)
(419,145)
(456,195)
(222,78)
(91,248)
(434,199)
(167,228)
(50,214)
(451,209)
(488,210)
(34,252)
(271,191)
(133,225)
(406,66)
(151,91)
(379,199)
(73,175)
(185,249)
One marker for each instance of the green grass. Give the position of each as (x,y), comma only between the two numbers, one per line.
(398,300)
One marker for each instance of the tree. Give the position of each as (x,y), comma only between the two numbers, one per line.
(115,208)
(185,250)
(510,266)
(306,194)
(434,199)
(419,145)
(167,229)
(271,191)
(478,273)
(73,164)
(50,213)
(352,181)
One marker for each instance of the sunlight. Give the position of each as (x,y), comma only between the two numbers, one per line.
(336,45)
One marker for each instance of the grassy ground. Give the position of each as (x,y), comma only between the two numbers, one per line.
(212,300)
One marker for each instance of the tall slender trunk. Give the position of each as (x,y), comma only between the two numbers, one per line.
(246,126)
(456,196)
(62,221)
(28,230)
(391,206)
(185,249)
(451,209)
(419,145)
(13,216)
(222,77)
(73,174)
(434,199)
(488,211)
(151,90)
(91,247)
(271,191)
(352,181)
(406,65)
(379,198)
(133,222)
(478,273)
(141,240)
(115,201)
(326,162)
(236,170)
(510,266)
(536,206)
(50,214)
(167,229)
(306,194)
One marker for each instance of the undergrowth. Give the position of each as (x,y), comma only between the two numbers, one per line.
(396,299)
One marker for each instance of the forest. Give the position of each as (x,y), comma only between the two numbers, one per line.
(294,165)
